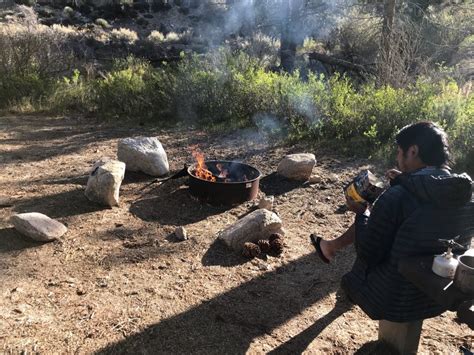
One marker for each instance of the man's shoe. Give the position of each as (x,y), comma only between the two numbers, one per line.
(316,241)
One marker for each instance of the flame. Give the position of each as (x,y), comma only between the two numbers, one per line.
(201,169)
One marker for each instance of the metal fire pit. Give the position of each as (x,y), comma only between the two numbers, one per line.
(240,185)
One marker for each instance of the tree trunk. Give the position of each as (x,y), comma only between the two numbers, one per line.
(290,37)
(387,29)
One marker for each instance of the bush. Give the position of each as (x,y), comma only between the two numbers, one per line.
(171,37)
(30,58)
(226,89)
(124,35)
(102,23)
(124,91)
(156,36)
(73,94)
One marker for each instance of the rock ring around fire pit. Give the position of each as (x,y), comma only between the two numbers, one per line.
(221,182)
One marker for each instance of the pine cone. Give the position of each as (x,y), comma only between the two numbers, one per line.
(277,246)
(251,250)
(264,245)
(275,236)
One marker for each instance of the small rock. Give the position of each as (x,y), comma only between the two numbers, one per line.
(181,233)
(266,202)
(264,267)
(297,166)
(104,182)
(145,154)
(102,283)
(80,292)
(315,179)
(38,226)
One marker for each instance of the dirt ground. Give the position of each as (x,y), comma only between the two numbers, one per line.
(119,282)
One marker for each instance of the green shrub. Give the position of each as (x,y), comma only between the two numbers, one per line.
(123,92)
(72,94)
(102,23)
(225,89)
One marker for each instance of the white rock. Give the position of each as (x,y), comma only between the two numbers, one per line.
(38,226)
(145,154)
(259,224)
(266,202)
(297,166)
(104,182)
(181,233)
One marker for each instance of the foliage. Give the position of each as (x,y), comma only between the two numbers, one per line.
(72,94)
(102,23)
(124,91)
(26,2)
(231,89)
(30,58)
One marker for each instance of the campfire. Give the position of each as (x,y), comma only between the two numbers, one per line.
(220,171)
(201,170)
(222,182)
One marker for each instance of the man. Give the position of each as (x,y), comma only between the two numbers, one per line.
(424,203)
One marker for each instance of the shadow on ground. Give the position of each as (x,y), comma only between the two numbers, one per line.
(172,204)
(11,240)
(300,342)
(71,135)
(64,204)
(218,254)
(376,347)
(229,322)
(276,185)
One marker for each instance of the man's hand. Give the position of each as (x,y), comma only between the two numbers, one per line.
(356,207)
(392,173)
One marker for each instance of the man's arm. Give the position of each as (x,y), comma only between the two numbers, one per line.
(374,235)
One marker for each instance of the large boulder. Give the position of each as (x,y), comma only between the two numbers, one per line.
(297,166)
(145,154)
(38,226)
(104,182)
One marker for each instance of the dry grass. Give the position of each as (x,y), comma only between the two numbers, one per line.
(171,37)
(124,35)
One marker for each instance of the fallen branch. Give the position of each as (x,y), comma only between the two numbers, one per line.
(338,62)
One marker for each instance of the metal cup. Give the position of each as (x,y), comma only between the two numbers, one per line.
(464,277)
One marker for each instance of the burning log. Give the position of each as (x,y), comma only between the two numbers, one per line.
(201,170)
(259,224)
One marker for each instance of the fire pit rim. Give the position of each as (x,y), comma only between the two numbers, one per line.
(192,167)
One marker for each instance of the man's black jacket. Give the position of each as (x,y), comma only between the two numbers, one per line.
(407,220)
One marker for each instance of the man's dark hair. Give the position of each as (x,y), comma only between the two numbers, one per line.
(432,142)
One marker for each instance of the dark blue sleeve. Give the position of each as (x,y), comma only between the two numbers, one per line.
(374,235)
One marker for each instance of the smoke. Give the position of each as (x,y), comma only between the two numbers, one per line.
(265,20)
(240,16)
(297,18)
(304,104)
(266,130)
